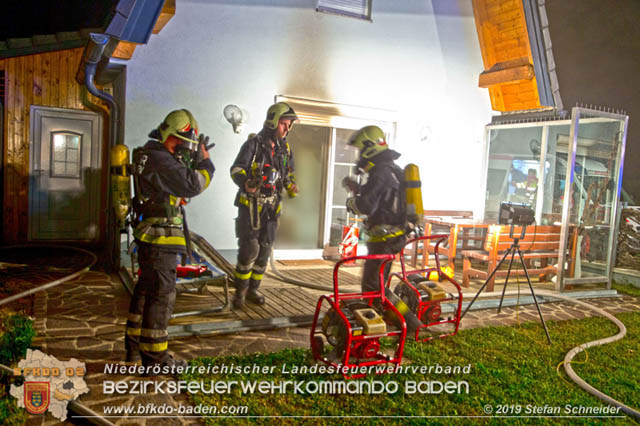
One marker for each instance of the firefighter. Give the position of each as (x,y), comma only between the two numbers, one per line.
(262,170)
(172,166)
(383,204)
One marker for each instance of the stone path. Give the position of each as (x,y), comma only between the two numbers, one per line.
(85,319)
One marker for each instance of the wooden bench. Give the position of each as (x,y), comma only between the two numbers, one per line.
(539,242)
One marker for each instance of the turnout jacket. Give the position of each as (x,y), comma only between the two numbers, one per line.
(273,167)
(162,185)
(380,198)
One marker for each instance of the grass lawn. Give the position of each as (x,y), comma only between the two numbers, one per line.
(512,371)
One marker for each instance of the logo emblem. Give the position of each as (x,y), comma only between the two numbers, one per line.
(36,397)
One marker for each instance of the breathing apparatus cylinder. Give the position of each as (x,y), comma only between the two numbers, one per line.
(413,323)
(120,184)
(413,188)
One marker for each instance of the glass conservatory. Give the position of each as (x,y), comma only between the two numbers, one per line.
(570,173)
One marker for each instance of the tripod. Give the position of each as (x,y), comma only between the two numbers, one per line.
(515,248)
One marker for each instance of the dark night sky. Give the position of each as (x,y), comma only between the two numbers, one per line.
(25,18)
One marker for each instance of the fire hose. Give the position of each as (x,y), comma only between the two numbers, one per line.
(300,283)
(51,283)
(575,351)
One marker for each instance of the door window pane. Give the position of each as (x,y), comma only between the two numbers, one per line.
(65,154)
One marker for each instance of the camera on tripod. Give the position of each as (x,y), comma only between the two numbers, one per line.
(515,214)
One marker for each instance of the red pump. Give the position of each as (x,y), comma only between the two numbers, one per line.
(352,328)
(425,297)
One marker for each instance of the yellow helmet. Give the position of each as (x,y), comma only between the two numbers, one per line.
(181,124)
(370,140)
(276,112)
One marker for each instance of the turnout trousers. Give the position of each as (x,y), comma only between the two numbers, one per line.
(254,246)
(151,305)
(370,274)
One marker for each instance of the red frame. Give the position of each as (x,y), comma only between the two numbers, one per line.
(334,302)
(424,306)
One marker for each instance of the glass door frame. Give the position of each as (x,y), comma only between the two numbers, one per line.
(588,116)
(576,113)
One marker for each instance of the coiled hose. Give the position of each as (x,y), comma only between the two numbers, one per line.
(575,351)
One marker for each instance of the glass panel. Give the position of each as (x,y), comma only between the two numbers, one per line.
(345,158)
(556,159)
(345,153)
(59,168)
(73,141)
(593,194)
(340,194)
(66,154)
(338,220)
(513,168)
(59,144)
(302,216)
(72,155)
(72,169)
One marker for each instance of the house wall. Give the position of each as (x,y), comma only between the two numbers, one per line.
(419,58)
(46,79)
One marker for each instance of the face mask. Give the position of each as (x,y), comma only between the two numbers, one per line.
(186,156)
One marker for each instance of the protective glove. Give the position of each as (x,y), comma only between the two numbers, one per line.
(203,148)
(350,185)
(351,206)
(292,190)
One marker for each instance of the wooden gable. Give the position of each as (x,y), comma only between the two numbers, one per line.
(506,54)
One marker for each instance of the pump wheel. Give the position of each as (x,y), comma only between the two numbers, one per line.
(335,331)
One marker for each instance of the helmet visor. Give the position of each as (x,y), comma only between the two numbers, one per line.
(189,138)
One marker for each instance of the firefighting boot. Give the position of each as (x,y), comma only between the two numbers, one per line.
(253,295)
(241,292)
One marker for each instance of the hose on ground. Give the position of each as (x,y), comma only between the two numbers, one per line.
(51,283)
(573,352)
(299,283)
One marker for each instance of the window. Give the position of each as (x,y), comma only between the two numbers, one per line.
(360,9)
(65,154)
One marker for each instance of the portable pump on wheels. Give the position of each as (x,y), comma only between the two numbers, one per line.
(346,329)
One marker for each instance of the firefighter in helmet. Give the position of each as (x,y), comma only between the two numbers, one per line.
(262,170)
(382,202)
(171,167)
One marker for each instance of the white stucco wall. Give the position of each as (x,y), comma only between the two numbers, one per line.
(418,57)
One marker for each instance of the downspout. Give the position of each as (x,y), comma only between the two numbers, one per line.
(97,44)
(93,55)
